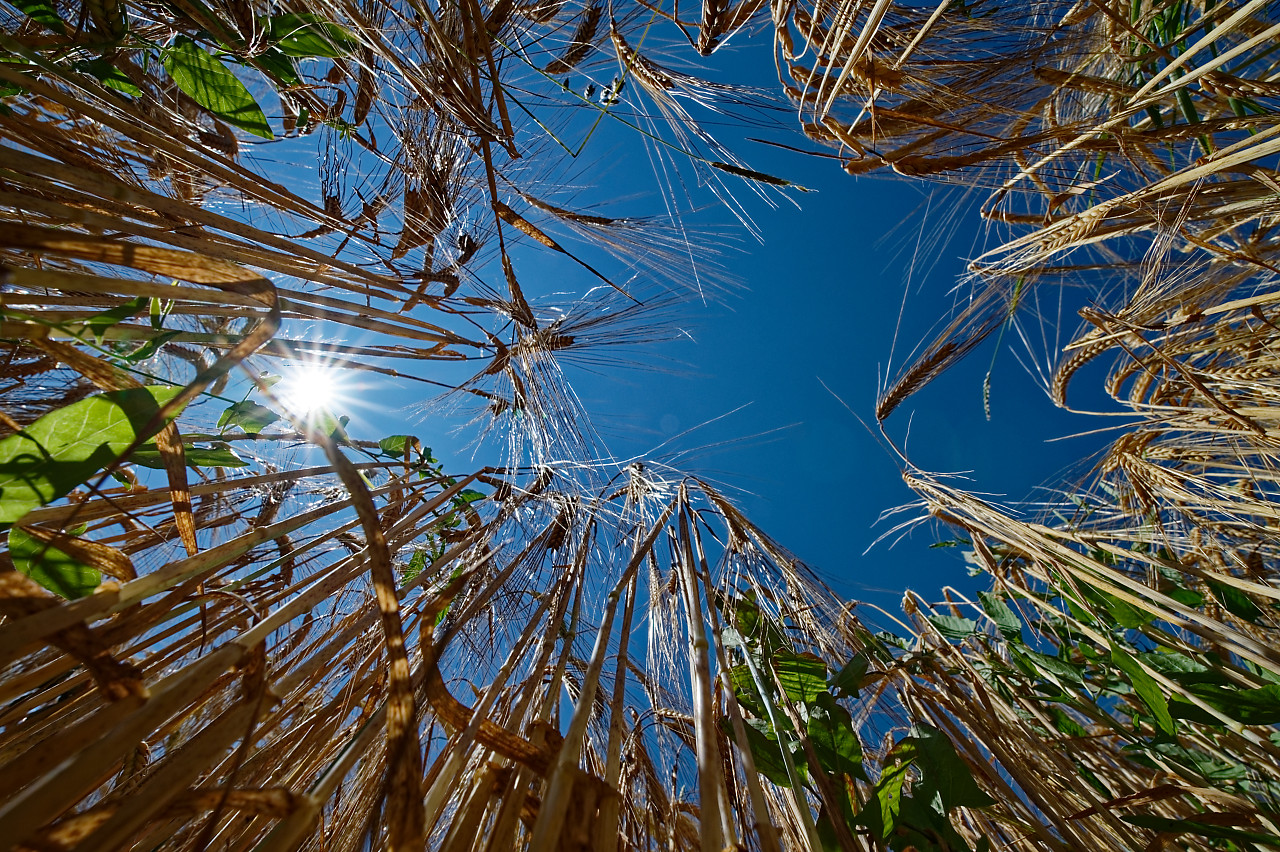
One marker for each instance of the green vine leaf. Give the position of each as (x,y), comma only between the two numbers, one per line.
(1146,687)
(99,323)
(67,446)
(109,75)
(148,455)
(310,35)
(50,567)
(249,416)
(42,12)
(212,85)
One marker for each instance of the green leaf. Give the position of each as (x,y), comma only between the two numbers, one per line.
(148,455)
(157,310)
(278,66)
(833,738)
(470,495)
(109,75)
(50,567)
(1257,706)
(1038,665)
(759,631)
(880,814)
(1125,614)
(8,90)
(308,34)
(325,422)
(1214,771)
(766,751)
(99,323)
(249,416)
(946,780)
(922,828)
(1065,724)
(416,563)
(826,832)
(212,85)
(1173,587)
(953,627)
(1201,829)
(1145,686)
(1235,601)
(849,679)
(67,446)
(151,347)
(744,689)
(1006,620)
(893,640)
(394,445)
(42,12)
(802,676)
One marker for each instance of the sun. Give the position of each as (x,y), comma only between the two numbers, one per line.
(308,389)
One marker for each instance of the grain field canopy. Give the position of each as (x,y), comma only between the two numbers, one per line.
(231,620)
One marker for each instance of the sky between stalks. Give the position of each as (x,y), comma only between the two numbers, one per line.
(769,387)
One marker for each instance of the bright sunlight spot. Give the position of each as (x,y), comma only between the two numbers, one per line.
(310,388)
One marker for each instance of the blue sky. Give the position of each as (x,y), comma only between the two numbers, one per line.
(820,305)
(740,399)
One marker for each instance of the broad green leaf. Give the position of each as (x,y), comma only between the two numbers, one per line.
(766,751)
(1184,669)
(1078,610)
(1214,771)
(99,323)
(1125,614)
(880,814)
(416,563)
(308,34)
(849,679)
(1006,620)
(744,689)
(1174,587)
(892,639)
(922,828)
(157,310)
(1257,706)
(456,573)
(1235,601)
(110,76)
(393,445)
(470,495)
(826,832)
(833,738)
(953,627)
(66,447)
(1047,667)
(249,416)
(212,85)
(1145,686)
(802,676)
(946,780)
(1065,724)
(148,455)
(151,347)
(42,12)
(760,631)
(279,66)
(50,567)
(325,422)
(8,90)
(1165,825)
(214,457)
